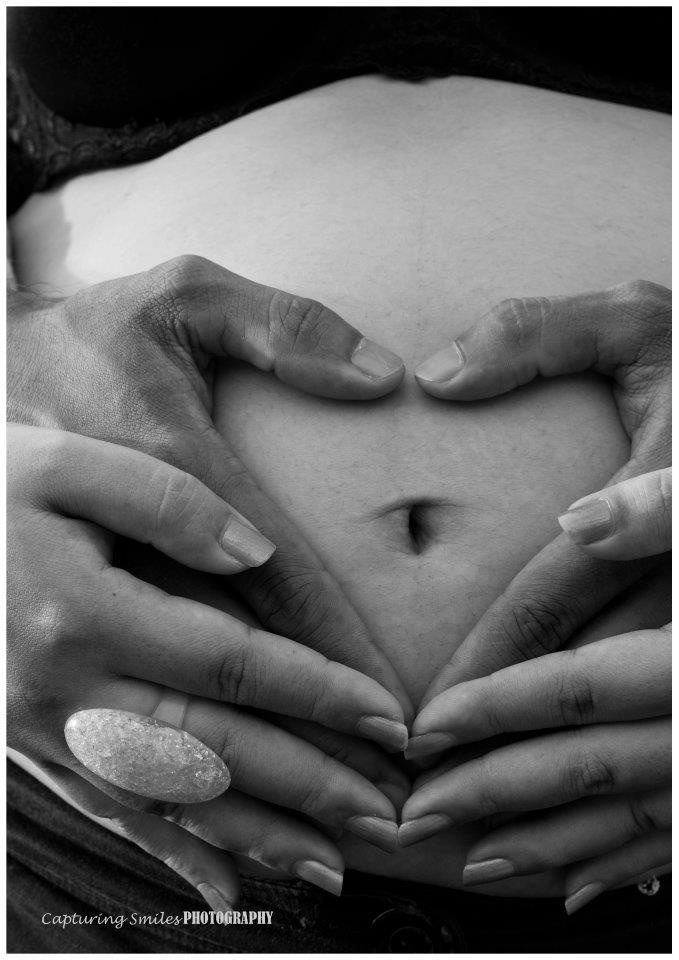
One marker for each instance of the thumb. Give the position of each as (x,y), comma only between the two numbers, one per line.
(628,520)
(518,340)
(134,495)
(300,340)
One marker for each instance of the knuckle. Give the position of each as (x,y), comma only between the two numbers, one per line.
(234,678)
(64,627)
(645,293)
(315,791)
(518,321)
(588,774)
(181,275)
(642,815)
(574,698)
(178,498)
(538,626)
(171,288)
(486,799)
(57,638)
(292,601)
(649,305)
(486,697)
(296,322)
(320,693)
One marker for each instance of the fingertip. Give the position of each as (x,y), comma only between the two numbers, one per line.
(216,899)
(390,734)
(320,875)
(438,375)
(377,363)
(244,544)
(588,522)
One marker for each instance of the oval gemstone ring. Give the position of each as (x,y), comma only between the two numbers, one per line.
(146,755)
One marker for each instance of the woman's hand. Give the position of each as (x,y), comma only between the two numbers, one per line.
(131,361)
(624,333)
(616,693)
(85,634)
(630,519)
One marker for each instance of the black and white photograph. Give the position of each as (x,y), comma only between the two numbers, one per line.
(338,518)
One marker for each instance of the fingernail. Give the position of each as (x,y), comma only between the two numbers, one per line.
(483,871)
(429,743)
(443,365)
(214,898)
(383,833)
(412,831)
(583,896)
(375,361)
(321,876)
(245,544)
(588,522)
(389,733)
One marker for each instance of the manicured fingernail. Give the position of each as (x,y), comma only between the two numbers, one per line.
(484,871)
(412,831)
(321,876)
(383,833)
(443,365)
(588,522)
(583,896)
(245,544)
(375,361)
(391,734)
(214,898)
(429,743)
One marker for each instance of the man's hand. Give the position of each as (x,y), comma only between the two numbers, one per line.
(623,333)
(130,361)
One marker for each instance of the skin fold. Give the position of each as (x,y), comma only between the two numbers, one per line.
(410,210)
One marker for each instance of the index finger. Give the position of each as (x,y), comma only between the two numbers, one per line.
(623,332)
(621,678)
(554,595)
(293,593)
(228,660)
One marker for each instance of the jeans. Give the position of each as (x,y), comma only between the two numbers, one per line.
(60,864)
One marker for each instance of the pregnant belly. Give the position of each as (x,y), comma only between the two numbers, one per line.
(410,210)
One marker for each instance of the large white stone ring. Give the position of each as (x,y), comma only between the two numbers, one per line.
(150,756)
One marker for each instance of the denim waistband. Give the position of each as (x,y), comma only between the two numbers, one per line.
(60,862)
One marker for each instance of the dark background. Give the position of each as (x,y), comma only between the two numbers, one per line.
(108,66)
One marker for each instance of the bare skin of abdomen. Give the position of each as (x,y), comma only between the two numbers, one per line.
(410,210)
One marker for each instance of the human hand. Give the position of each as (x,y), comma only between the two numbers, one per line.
(614,695)
(627,520)
(607,783)
(84,634)
(130,361)
(624,333)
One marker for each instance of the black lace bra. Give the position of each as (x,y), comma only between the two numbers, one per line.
(90,88)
